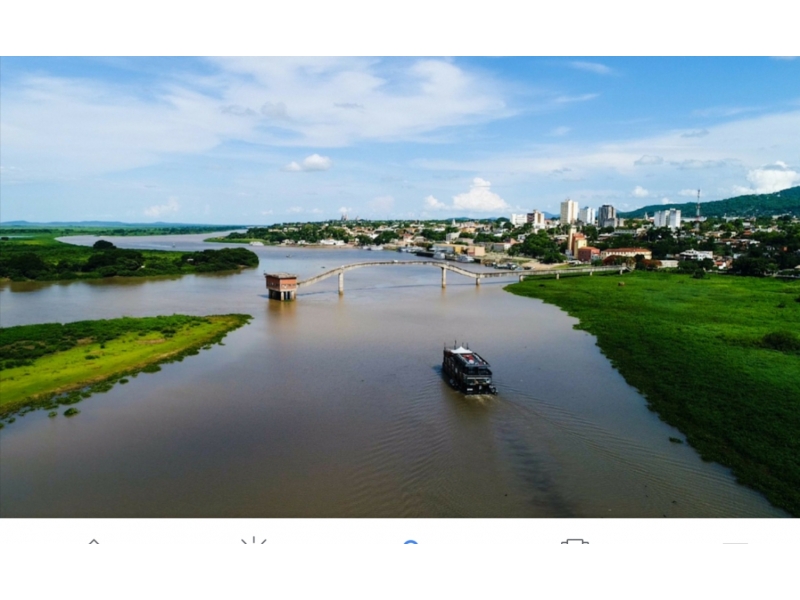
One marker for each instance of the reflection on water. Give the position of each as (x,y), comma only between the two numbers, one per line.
(335,407)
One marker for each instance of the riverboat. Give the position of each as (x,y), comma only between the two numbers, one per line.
(467,371)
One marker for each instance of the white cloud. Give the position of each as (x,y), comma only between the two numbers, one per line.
(769,179)
(695,133)
(315,162)
(382,204)
(647,160)
(592,67)
(581,98)
(432,203)
(479,198)
(665,201)
(345,210)
(559,131)
(688,193)
(159,210)
(640,192)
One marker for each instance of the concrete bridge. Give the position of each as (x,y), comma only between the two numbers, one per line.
(448,266)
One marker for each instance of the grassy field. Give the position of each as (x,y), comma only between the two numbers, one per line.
(718,358)
(50,364)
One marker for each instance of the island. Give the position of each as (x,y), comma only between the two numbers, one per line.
(50,365)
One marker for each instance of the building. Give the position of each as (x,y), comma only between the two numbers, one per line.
(588,253)
(577,241)
(587,215)
(607,217)
(667,218)
(536,218)
(569,212)
(692,254)
(281,286)
(450,237)
(627,253)
(519,220)
(476,251)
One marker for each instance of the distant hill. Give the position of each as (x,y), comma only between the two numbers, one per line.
(753,205)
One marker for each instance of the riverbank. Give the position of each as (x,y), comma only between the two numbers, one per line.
(47,365)
(40,257)
(718,358)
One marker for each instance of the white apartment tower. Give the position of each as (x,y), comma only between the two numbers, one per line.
(668,218)
(586,215)
(536,218)
(569,212)
(519,220)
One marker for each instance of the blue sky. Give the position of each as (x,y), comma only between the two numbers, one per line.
(275,139)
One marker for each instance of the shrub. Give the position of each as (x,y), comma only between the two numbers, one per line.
(71,412)
(784,341)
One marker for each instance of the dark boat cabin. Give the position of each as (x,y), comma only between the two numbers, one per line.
(467,371)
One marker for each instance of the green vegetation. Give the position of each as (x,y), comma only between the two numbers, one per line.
(42,366)
(717,357)
(755,205)
(41,257)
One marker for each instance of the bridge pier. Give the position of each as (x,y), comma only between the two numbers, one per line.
(591,273)
(521,278)
(558,275)
(478,281)
(341,283)
(444,277)
(620,271)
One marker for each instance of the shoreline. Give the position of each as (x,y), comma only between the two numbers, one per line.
(693,350)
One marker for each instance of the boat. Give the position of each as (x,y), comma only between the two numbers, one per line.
(439,255)
(464,258)
(467,371)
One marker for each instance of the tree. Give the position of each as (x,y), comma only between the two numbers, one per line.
(103,245)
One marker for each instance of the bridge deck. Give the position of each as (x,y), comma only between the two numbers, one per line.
(456,269)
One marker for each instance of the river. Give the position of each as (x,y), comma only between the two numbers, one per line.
(335,406)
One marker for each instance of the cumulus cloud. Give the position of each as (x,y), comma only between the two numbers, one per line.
(345,210)
(479,198)
(688,193)
(315,162)
(159,210)
(592,67)
(640,192)
(648,160)
(432,203)
(769,179)
(665,201)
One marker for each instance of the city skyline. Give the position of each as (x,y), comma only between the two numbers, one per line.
(280,139)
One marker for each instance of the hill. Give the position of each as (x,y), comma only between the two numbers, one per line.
(753,205)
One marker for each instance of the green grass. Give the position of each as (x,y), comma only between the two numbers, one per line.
(715,357)
(48,364)
(40,257)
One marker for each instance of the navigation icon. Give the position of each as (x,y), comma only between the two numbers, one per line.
(254,541)
(94,541)
(410,542)
(576,540)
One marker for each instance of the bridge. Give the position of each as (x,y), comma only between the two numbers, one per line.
(445,267)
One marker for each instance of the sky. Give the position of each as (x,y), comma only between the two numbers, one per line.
(266,140)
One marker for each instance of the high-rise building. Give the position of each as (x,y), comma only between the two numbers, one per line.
(569,212)
(586,215)
(668,218)
(607,217)
(519,220)
(536,218)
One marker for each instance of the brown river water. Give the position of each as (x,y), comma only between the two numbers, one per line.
(335,407)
